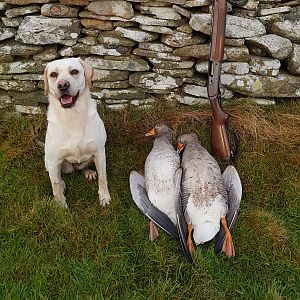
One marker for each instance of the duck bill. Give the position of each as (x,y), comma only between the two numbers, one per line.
(180,147)
(151,132)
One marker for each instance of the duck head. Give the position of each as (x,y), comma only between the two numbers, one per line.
(160,130)
(186,139)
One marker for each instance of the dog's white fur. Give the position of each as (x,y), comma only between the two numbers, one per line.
(75,136)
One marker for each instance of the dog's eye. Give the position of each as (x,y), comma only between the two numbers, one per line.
(74,72)
(53,74)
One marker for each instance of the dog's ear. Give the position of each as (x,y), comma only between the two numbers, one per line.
(88,72)
(46,85)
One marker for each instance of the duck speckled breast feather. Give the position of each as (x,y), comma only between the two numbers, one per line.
(202,179)
(204,196)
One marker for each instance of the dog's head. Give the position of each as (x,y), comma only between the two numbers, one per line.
(66,79)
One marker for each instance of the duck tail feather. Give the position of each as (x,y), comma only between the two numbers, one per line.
(140,197)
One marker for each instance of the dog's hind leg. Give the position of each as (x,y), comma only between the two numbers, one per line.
(100,162)
(89,174)
(67,167)
(86,166)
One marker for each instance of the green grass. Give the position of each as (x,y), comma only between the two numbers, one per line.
(91,252)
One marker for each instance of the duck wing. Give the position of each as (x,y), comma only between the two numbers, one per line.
(233,186)
(140,197)
(181,218)
(184,195)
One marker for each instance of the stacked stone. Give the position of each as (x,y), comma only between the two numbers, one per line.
(146,50)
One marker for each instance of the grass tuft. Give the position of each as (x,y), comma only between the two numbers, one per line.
(91,252)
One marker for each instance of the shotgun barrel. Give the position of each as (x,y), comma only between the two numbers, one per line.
(219,139)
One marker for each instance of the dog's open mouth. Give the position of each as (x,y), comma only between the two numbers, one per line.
(68,101)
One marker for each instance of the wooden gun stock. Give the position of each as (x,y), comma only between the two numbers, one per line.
(219,139)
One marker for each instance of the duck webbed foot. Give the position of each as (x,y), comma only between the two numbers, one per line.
(233,186)
(227,247)
(153,231)
(189,242)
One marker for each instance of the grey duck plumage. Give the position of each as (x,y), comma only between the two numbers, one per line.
(162,171)
(205,198)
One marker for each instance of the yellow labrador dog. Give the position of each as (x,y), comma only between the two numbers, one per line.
(75,135)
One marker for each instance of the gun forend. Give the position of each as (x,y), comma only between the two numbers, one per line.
(218,25)
(214,72)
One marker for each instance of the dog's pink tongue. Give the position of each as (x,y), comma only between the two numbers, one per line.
(66,99)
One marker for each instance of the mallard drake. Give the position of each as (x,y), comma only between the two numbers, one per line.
(209,198)
(156,194)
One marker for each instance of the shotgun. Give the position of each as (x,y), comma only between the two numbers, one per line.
(219,140)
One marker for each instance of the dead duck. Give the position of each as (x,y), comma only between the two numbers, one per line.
(209,198)
(156,193)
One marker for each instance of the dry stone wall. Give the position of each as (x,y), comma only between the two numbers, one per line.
(146,50)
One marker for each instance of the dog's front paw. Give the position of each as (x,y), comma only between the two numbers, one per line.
(58,193)
(104,200)
(61,201)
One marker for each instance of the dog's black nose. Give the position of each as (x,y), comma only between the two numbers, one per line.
(63,85)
